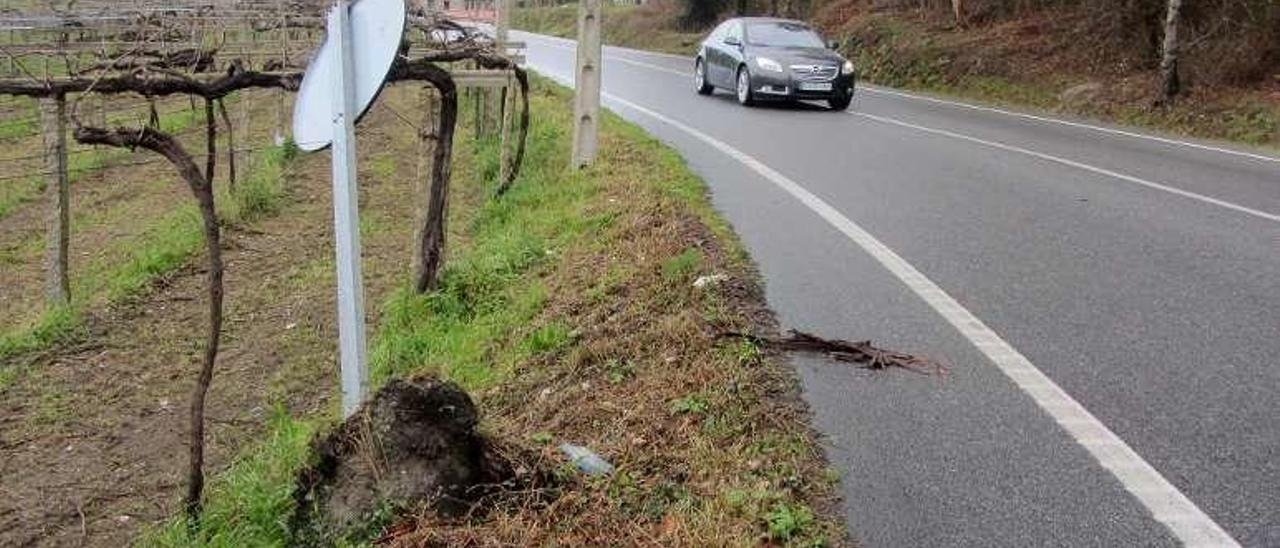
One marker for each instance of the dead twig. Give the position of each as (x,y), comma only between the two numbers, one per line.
(861,352)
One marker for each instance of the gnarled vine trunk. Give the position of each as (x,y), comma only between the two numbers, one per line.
(165,145)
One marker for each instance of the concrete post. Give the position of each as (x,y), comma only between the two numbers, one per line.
(53,126)
(586,97)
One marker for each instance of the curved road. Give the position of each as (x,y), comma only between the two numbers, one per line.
(1109,303)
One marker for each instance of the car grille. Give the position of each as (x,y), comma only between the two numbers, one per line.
(814,73)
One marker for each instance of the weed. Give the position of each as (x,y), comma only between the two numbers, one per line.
(682,267)
(788,522)
(540,437)
(618,371)
(548,338)
(747,352)
(691,404)
(262,192)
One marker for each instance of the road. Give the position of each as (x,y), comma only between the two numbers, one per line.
(1108,301)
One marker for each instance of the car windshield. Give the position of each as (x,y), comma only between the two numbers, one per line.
(782,35)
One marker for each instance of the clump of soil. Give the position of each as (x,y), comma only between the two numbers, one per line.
(413,444)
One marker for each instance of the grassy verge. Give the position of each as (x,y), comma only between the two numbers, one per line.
(134,263)
(568,309)
(639,27)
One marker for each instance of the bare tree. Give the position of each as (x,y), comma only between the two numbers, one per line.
(1170,84)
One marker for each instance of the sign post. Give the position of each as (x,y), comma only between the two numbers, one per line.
(346,216)
(586,84)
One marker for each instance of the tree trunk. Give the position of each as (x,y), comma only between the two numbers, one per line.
(53,119)
(513,170)
(431,244)
(210,141)
(957,8)
(165,145)
(429,140)
(1170,84)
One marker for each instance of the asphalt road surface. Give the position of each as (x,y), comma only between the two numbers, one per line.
(1108,301)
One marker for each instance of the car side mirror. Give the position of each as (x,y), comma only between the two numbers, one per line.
(732,41)
(833,44)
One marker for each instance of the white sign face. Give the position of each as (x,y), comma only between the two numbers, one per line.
(377,27)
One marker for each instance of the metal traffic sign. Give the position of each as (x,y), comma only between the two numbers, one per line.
(376,29)
(341,82)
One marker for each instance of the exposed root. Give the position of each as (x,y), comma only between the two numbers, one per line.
(861,352)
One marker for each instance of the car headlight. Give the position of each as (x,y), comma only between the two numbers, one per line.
(847,68)
(766,63)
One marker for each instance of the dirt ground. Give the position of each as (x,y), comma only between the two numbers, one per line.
(93,435)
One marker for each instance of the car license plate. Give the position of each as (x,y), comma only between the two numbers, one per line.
(815,86)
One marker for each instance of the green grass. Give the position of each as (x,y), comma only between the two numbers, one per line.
(262,192)
(248,504)
(26,123)
(490,293)
(80,161)
(682,267)
(56,325)
(133,264)
(489,316)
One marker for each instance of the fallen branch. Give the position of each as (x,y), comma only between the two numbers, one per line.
(861,352)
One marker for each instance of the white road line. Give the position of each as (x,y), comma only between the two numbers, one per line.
(1167,505)
(1074,164)
(1045,119)
(642,64)
(1020,150)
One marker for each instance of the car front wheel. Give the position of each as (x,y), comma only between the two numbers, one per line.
(744,87)
(840,102)
(700,78)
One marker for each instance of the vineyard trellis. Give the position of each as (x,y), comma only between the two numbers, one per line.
(134,62)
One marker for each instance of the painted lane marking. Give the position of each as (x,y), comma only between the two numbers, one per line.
(1020,150)
(1046,119)
(1074,164)
(1166,503)
(573,47)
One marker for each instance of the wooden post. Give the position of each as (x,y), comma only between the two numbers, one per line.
(53,124)
(586,97)
(429,134)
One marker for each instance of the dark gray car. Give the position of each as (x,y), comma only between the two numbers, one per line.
(763,58)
